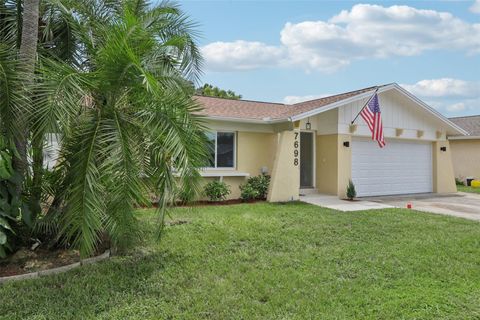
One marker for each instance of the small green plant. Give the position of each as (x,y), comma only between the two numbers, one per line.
(459,181)
(351,192)
(255,187)
(248,192)
(216,190)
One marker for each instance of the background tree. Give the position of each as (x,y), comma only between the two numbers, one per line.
(211,91)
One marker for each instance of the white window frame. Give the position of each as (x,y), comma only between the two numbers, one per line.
(234,150)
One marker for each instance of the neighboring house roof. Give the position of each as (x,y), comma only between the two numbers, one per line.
(471,124)
(269,112)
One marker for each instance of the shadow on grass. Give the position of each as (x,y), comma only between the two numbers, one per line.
(110,285)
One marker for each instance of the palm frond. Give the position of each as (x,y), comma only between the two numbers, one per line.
(82,220)
(60,97)
(13,102)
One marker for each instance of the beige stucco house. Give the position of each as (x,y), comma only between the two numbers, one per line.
(466,149)
(312,146)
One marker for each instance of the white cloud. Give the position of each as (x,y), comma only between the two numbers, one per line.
(444,87)
(456,107)
(297,99)
(365,31)
(448,95)
(241,55)
(475,8)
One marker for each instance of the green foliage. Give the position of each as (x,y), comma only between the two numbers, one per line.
(460,181)
(248,192)
(272,261)
(464,188)
(255,188)
(211,91)
(113,81)
(13,105)
(216,190)
(13,210)
(351,192)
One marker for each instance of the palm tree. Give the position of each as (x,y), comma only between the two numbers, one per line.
(120,99)
(26,65)
(16,79)
(126,117)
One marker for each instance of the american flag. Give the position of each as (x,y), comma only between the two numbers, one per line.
(372,116)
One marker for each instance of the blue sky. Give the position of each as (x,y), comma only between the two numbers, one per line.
(288,51)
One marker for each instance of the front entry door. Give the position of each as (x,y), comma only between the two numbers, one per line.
(306,159)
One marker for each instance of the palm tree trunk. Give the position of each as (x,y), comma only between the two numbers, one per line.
(19,23)
(27,57)
(37,171)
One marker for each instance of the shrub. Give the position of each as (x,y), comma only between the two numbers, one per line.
(260,183)
(351,192)
(255,187)
(459,181)
(216,190)
(248,192)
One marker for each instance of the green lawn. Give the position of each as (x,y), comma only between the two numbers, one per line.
(266,261)
(468,189)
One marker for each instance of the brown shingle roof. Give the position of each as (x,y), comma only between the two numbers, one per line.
(471,124)
(310,105)
(256,110)
(241,109)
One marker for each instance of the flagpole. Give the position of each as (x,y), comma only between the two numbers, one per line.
(368,101)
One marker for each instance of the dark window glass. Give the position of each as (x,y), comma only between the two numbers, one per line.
(225,149)
(211,149)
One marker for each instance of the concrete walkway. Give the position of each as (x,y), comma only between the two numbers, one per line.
(333,202)
(460,204)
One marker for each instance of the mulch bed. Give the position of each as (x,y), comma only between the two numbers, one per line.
(215,203)
(26,261)
(202,203)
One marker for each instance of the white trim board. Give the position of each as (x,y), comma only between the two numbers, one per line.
(463,137)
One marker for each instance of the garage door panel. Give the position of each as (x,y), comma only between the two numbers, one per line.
(401,167)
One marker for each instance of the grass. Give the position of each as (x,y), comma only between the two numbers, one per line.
(267,261)
(462,188)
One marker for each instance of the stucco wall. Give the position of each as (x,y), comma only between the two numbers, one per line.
(344,164)
(254,150)
(325,123)
(233,182)
(327,164)
(466,158)
(285,181)
(443,177)
(334,164)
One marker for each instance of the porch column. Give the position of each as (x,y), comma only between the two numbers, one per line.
(443,176)
(285,178)
(344,173)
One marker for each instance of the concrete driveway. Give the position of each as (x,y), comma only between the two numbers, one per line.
(464,205)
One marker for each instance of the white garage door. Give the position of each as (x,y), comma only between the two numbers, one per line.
(399,168)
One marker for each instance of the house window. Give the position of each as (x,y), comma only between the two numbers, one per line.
(221,146)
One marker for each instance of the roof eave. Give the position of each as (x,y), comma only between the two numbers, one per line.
(337,104)
(464,137)
(247,120)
